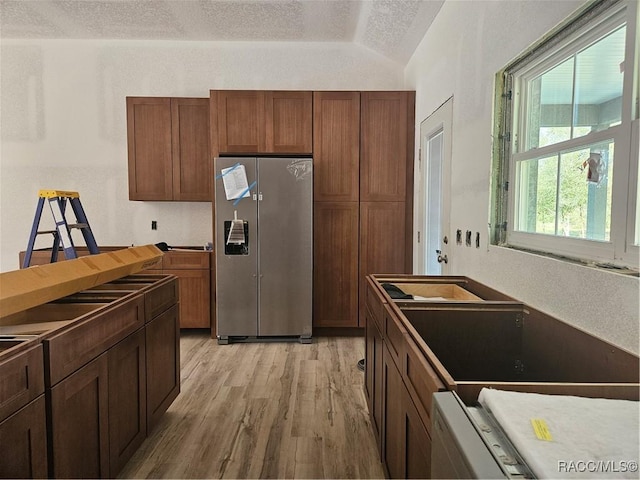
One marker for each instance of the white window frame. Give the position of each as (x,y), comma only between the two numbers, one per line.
(620,249)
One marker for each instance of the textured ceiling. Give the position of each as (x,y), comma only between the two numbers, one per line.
(390,27)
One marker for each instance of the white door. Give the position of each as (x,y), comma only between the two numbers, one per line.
(433,235)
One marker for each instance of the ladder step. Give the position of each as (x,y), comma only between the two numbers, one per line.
(46,231)
(78,225)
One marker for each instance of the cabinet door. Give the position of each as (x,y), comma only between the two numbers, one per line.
(393,418)
(335,282)
(127,399)
(195,296)
(23,442)
(149,143)
(387,145)
(192,167)
(79,423)
(163,364)
(382,242)
(417,442)
(241,125)
(373,377)
(288,119)
(336,146)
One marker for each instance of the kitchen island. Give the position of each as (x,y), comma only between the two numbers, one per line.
(459,335)
(88,364)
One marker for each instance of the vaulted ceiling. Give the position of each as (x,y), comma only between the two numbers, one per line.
(392,28)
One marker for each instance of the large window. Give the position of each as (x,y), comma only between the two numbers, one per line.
(566,179)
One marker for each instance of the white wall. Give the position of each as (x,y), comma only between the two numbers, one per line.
(464,48)
(63,121)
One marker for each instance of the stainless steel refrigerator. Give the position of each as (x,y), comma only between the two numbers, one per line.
(263,247)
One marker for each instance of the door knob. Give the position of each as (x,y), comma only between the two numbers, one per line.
(442,258)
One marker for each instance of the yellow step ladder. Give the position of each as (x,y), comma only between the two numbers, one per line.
(62,234)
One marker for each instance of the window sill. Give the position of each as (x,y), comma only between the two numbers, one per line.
(604,266)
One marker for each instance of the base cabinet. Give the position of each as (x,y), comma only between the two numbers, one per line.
(193,269)
(127,399)
(79,423)
(23,442)
(163,360)
(394,381)
(393,418)
(416,440)
(373,376)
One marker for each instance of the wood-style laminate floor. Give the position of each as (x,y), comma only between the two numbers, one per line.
(264,410)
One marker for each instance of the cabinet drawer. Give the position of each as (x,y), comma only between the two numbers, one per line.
(73,348)
(21,380)
(160,298)
(394,334)
(374,302)
(421,380)
(196,260)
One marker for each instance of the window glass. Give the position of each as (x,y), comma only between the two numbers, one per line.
(568,194)
(538,193)
(579,95)
(550,105)
(598,85)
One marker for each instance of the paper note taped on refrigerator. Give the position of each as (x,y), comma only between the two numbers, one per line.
(235,182)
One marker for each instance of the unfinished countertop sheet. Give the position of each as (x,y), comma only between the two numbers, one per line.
(562,436)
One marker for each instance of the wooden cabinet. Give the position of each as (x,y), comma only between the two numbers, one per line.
(417,441)
(336,156)
(382,242)
(23,437)
(362,147)
(386,145)
(373,376)
(80,423)
(127,399)
(193,269)
(386,184)
(168,145)
(398,386)
(163,362)
(192,166)
(23,442)
(262,121)
(336,146)
(392,417)
(335,264)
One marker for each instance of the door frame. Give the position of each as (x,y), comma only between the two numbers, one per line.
(440,120)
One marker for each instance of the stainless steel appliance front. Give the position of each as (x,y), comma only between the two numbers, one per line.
(264,287)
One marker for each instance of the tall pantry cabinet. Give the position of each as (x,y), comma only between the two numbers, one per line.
(363,167)
(386,185)
(336,158)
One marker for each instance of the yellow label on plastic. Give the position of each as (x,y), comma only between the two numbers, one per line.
(541,429)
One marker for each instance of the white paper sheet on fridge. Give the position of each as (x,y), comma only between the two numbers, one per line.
(235,182)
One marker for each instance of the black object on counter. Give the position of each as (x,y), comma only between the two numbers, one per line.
(395,292)
(163,246)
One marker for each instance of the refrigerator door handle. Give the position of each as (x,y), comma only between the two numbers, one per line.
(260,196)
(255,197)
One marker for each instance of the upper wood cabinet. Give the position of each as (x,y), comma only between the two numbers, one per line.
(336,146)
(192,167)
(168,142)
(386,149)
(262,121)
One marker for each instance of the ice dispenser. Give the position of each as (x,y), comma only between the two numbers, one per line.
(237,234)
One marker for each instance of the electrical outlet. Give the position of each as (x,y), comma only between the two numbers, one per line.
(154,225)
(467,239)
